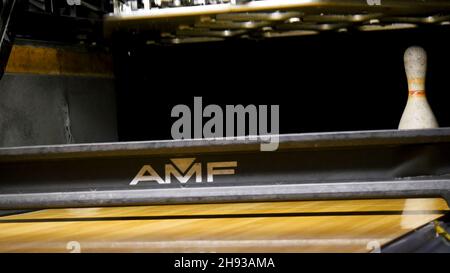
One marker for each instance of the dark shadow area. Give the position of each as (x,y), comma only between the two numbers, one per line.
(329,82)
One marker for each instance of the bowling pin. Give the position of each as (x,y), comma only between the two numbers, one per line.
(417,113)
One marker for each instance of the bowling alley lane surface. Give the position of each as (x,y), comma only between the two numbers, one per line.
(300,226)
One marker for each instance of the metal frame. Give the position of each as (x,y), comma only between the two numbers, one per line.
(344,165)
(431,238)
(7,12)
(179,21)
(255,193)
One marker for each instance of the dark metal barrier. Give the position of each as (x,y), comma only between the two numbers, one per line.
(344,165)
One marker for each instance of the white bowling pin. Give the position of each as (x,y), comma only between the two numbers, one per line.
(417,113)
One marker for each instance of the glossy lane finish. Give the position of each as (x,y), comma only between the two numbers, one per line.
(306,226)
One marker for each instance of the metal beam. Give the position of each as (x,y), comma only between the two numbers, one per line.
(346,165)
(254,193)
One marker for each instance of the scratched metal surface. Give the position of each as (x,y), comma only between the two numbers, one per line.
(373,164)
(238,144)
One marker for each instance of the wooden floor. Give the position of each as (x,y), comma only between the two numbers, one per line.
(307,226)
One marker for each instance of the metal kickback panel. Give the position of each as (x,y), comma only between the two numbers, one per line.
(346,165)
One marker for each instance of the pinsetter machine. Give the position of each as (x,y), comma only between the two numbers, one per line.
(307,167)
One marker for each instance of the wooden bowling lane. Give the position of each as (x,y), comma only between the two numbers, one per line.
(304,226)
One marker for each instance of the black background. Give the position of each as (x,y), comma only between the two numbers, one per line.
(284,262)
(329,82)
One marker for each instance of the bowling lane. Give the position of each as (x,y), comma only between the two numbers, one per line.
(306,226)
